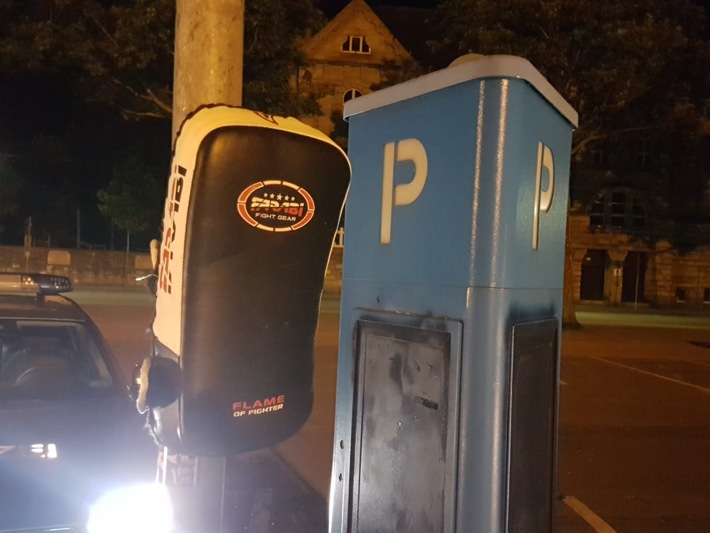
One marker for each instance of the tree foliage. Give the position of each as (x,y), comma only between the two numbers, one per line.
(132,199)
(121,52)
(625,66)
(9,187)
(272,29)
(622,65)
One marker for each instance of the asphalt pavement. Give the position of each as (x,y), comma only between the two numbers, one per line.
(626,374)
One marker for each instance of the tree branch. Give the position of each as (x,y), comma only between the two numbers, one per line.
(137,115)
(149,97)
(155,99)
(103,30)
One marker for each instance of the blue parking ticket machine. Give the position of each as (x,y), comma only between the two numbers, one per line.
(448,367)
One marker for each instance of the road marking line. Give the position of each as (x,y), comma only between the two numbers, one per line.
(589,516)
(672,380)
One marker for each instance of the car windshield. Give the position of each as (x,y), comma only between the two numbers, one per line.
(42,359)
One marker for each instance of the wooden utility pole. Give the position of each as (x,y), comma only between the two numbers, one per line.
(209,48)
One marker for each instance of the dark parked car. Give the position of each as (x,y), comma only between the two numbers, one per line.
(68,430)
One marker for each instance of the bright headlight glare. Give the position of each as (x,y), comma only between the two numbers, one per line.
(142,508)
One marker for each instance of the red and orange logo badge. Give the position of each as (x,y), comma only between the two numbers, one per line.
(276,205)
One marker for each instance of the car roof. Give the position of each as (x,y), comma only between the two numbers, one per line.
(45,307)
(37,296)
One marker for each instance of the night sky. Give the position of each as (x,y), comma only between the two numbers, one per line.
(332,7)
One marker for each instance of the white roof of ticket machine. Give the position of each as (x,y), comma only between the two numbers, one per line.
(466,68)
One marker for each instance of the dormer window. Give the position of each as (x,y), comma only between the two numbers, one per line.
(355,44)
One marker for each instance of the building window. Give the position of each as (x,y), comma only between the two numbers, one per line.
(705,108)
(600,157)
(619,208)
(350,94)
(643,156)
(355,44)
(681,295)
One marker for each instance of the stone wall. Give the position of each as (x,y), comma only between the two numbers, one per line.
(331,81)
(334,272)
(84,267)
(673,280)
(110,268)
(690,280)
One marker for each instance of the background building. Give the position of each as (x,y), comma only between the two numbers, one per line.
(638,232)
(350,55)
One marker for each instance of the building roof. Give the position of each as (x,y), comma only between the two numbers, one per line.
(356,18)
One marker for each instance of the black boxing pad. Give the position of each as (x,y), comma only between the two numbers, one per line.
(253,206)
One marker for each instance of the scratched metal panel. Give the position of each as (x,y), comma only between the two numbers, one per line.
(533,413)
(400,468)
